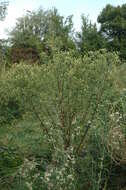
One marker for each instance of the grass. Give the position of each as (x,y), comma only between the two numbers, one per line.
(26,136)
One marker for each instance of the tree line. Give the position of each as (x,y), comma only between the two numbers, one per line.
(39,34)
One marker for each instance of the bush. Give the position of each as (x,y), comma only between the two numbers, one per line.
(72,99)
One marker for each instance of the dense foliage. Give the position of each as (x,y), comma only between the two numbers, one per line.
(63,103)
(113,27)
(89,39)
(60,123)
(38,34)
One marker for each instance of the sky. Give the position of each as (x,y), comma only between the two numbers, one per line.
(90,8)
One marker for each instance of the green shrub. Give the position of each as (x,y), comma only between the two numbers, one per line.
(71,100)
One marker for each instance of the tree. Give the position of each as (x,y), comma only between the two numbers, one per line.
(113,28)
(89,39)
(3,9)
(44,31)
